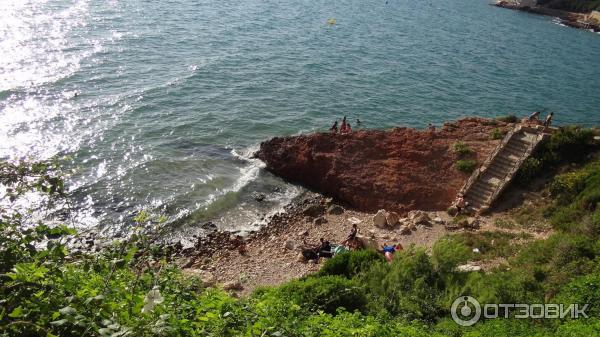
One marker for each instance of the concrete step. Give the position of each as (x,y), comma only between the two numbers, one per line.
(483,187)
(474,203)
(505,162)
(496,172)
(517,149)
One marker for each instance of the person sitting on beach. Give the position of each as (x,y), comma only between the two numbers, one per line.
(325,249)
(548,120)
(430,127)
(388,251)
(310,254)
(334,127)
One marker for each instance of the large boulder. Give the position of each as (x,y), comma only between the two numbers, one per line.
(233,285)
(379,219)
(367,242)
(392,218)
(405,230)
(314,210)
(419,218)
(335,209)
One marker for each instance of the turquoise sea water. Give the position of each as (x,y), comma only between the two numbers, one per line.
(158,104)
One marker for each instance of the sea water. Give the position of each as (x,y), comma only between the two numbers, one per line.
(159,105)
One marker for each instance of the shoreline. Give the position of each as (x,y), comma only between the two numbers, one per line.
(570,19)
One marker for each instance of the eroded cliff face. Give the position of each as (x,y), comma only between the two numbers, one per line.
(400,169)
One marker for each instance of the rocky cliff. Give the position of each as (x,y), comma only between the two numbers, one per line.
(399,169)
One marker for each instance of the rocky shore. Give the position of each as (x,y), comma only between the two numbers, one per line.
(395,185)
(571,19)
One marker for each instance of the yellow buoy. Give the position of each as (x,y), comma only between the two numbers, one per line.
(331,21)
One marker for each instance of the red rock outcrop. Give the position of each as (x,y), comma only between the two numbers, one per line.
(399,169)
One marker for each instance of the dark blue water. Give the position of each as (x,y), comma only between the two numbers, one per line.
(158,104)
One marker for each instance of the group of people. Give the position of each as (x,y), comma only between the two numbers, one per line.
(327,250)
(535,118)
(345,128)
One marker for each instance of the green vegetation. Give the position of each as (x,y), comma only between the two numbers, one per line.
(567,145)
(497,134)
(508,119)
(466,165)
(572,5)
(461,148)
(129,289)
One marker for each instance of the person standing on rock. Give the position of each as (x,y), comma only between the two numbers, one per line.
(534,117)
(347,130)
(548,120)
(460,204)
(344,125)
(352,236)
(334,127)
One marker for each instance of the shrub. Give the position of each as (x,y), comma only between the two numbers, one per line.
(352,263)
(327,293)
(461,148)
(497,134)
(448,253)
(466,165)
(582,290)
(567,145)
(508,119)
(408,287)
(529,170)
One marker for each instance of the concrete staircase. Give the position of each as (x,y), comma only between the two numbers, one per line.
(498,170)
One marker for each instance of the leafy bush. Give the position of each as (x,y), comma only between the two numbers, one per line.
(327,293)
(448,253)
(497,134)
(582,290)
(350,264)
(508,119)
(466,165)
(408,287)
(461,148)
(566,145)
(529,170)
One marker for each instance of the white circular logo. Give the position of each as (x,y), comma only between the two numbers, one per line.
(466,311)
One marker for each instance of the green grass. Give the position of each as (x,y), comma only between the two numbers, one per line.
(466,165)
(497,134)
(461,148)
